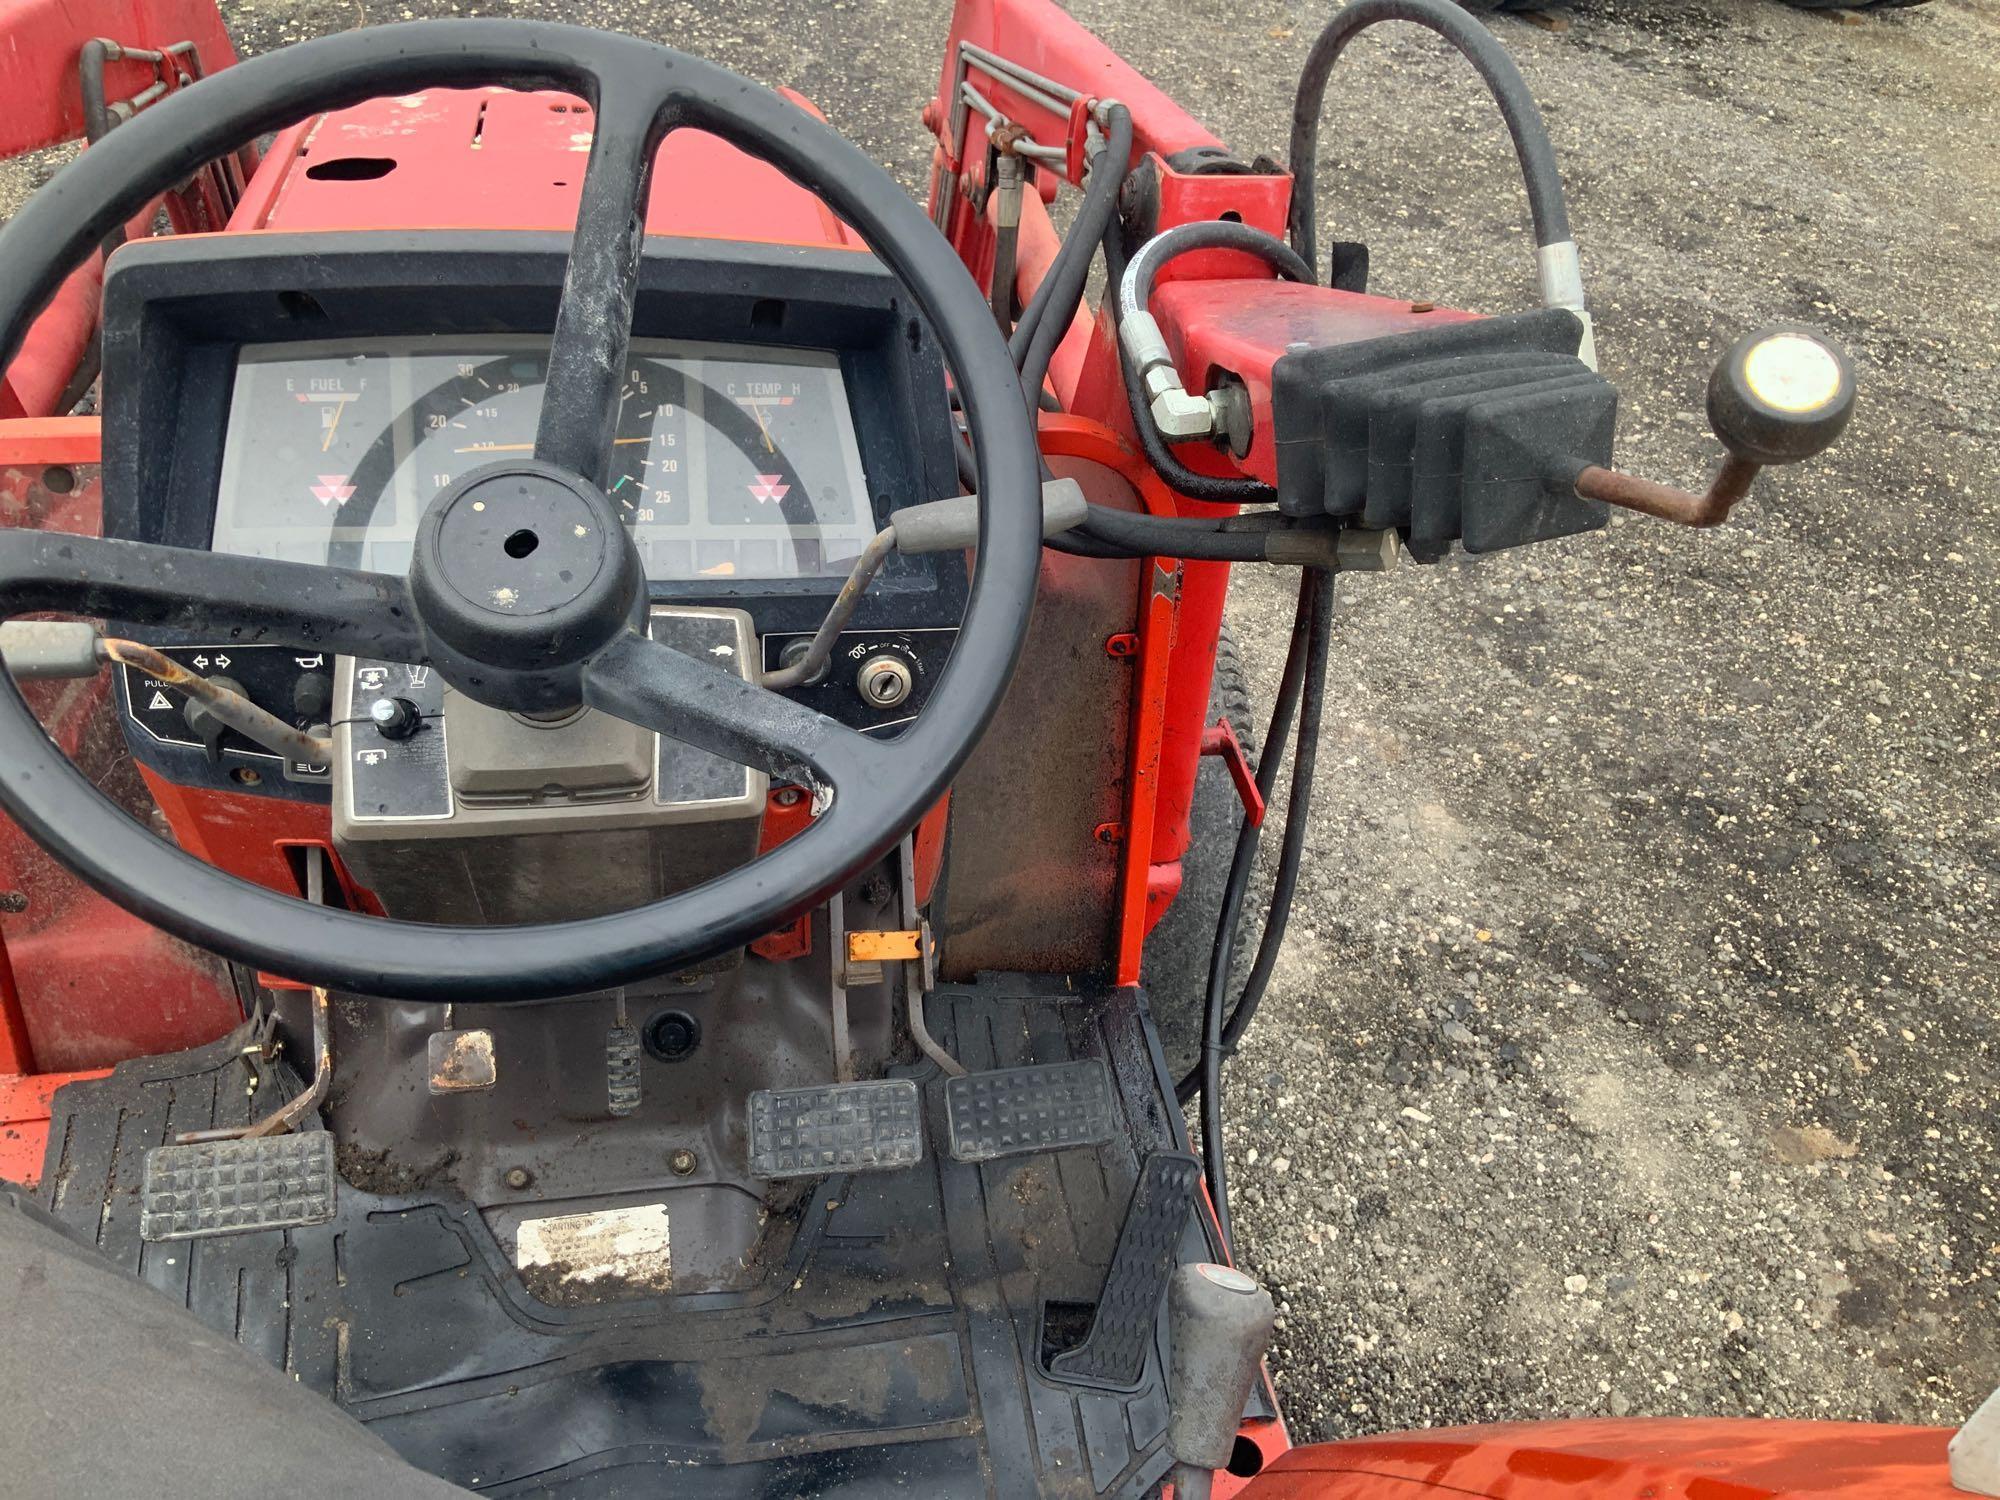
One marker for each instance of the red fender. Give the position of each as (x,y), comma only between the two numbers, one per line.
(1667,1459)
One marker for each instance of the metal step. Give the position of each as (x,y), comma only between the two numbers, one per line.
(874,1126)
(1043,1108)
(236,1187)
(1128,1309)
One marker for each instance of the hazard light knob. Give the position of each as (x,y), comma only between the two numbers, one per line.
(1780,395)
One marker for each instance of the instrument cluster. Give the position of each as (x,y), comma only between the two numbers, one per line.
(729,461)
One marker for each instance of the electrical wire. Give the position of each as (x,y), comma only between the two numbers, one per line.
(1510,91)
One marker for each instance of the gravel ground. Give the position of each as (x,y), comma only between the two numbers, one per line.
(1632,1051)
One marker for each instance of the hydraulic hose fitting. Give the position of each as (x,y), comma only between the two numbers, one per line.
(1179,415)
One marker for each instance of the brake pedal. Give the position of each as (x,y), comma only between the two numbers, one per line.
(1128,1309)
(235,1187)
(1013,1110)
(874,1126)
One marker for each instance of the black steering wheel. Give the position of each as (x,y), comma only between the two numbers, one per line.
(572,628)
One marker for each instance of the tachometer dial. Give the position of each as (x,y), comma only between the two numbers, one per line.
(471,410)
(649,455)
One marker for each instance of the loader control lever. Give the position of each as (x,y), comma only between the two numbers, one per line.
(1779,395)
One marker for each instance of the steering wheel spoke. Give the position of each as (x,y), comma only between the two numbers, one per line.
(656,687)
(594,324)
(242,600)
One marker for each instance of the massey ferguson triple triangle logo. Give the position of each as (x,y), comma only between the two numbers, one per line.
(333,489)
(769,488)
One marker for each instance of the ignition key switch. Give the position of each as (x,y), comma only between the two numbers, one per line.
(884,681)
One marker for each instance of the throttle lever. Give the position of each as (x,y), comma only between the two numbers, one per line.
(1780,395)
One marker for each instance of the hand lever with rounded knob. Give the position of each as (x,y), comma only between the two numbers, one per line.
(1219,1324)
(1779,395)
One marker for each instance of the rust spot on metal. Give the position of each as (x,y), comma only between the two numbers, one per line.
(462,1060)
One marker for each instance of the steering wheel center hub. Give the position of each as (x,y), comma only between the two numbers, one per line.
(520,574)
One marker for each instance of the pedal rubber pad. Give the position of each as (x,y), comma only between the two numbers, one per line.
(1128,1309)
(235,1187)
(1012,1110)
(875,1126)
(621,1069)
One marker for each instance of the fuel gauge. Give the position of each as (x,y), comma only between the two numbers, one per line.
(310,452)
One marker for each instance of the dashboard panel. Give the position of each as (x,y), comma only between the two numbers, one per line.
(728,460)
(303,396)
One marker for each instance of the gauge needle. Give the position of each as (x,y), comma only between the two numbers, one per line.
(757,411)
(333,426)
(530,447)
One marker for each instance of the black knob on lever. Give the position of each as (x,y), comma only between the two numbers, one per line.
(395,718)
(1779,395)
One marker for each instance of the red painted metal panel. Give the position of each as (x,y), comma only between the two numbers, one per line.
(91,983)
(54,346)
(1159,623)
(501,159)
(29,444)
(39,43)
(1622,1460)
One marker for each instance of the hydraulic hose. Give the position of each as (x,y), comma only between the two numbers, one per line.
(1199,537)
(1285,882)
(1051,310)
(1135,287)
(1303,682)
(1178,475)
(1560,276)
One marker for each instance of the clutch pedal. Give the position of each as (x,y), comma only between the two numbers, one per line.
(874,1126)
(1013,1110)
(1128,1309)
(235,1187)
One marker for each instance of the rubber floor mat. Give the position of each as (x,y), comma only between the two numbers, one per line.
(897,1344)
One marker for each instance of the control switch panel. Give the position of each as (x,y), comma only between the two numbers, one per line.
(596,814)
